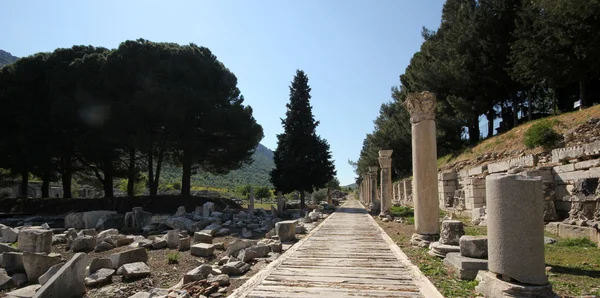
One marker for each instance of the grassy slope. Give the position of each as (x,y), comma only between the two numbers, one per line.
(513,139)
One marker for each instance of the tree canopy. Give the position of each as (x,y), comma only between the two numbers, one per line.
(302,158)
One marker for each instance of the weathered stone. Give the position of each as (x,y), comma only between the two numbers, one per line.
(9,235)
(474,246)
(83,244)
(465,268)
(202,250)
(26,292)
(452,230)
(440,250)
(286,230)
(221,279)
(211,229)
(12,262)
(492,287)
(59,239)
(207,209)
(198,273)
(6,282)
(173,239)
(99,263)
(143,243)
(90,218)
(246,233)
(235,268)
(516,228)
(88,232)
(140,295)
(68,281)
(202,237)
(100,277)
(160,243)
(184,243)
(74,220)
(234,247)
(37,264)
(110,232)
(110,221)
(137,218)
(49,273)
(19,279)
(35,240)
(253,252)
(134,270)
(181,211)
(180,223)
(129,256)
(223,232)
(103,246)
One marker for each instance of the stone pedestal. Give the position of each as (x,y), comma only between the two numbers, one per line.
(493,287)
(385,162)
(452,230)
(516,228)
(251,204)
(421,107)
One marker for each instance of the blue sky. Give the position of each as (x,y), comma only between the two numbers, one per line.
(352,51)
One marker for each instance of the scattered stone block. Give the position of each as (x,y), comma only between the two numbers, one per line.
(74,220)
(465,268)
(234,247)
(100,277)
(35,240)
(106,233)
(88,232)
(6,282)
(246,233)
(160,243)
(223,232)
(286,230)
(68,281)
(104,246)
(83,243)
(48,274)
(184,244)
(134,270)
(173,238)
(253,252)
(111,221)
(221,279)
(211,229)
(181,211)
(140,295)
(202,250)
(12,262)
(9,234)
(91,218)
(26,292)
(37,264)
(235,268)
(129,256)
(198,273)
(7,248)
(99,263)
(452,230)
(474,246)
(202,237)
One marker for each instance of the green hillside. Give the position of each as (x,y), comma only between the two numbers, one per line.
(256,173)
(6,58)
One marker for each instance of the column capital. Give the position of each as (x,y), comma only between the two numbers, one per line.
(421,106)
(385,159)
(373,169)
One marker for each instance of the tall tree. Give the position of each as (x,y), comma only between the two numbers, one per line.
(302,158)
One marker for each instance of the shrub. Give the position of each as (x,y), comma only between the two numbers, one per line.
(173,258)
(402,211)
(542,134)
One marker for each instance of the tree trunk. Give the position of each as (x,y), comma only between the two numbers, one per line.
(153,187)
(490,119)
(186,176)
(131,173)
(474,130)
(46,184)
(582,94)
(24,192)
(301,202)
(515,112)
(108,179)
(66,175)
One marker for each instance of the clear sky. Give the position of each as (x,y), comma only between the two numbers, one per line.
(352,51)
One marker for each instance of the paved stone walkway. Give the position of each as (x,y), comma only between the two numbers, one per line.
(348,255)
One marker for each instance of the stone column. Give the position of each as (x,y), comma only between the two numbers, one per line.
(374,204)
(385,162)
(279,203)
(515,238)
(329,198)
(421,107)
(251,204)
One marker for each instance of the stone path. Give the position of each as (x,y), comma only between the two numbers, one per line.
(348,255)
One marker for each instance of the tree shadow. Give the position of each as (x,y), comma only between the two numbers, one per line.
(574,271)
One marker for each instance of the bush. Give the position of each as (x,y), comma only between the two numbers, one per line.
(580,242)
(402,211)
(542,134)
(173,258)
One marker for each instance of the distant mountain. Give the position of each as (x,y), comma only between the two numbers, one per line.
(6,58)
(353,186)
(256,173)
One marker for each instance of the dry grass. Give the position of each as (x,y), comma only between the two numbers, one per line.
(513,140)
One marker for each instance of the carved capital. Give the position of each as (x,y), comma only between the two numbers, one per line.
(421,106)
(373,170)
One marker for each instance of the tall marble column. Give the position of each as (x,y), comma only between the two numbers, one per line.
(421,107)
(385,162)
(374,205)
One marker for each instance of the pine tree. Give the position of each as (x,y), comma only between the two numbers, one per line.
(302,158)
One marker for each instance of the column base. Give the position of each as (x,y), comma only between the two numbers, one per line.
(423,240)
(493,287)
(374,208)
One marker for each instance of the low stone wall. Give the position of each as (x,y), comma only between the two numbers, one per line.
(154,204)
